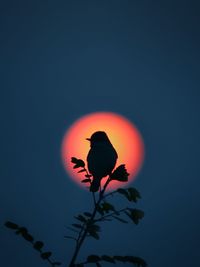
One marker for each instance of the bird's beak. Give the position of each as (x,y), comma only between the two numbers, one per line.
(88,139)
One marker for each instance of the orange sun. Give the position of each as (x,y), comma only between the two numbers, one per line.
(123,134)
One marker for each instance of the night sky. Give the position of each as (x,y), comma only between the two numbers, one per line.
(61,60)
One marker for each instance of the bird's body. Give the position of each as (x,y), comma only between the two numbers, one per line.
(101,158)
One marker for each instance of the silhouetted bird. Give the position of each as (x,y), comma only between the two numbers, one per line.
(101,158)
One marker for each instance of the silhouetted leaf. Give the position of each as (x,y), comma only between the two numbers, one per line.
(93,234)
(77,225)
(140,213)
(120,174)
(11,225)
(119,219)
(119,258)
(130,193)
(38,245)
(135,215)
(107,207)
(131,259)
(108,258)
(74,160)
(85,181)
(93,258)
(21,230)
(94,227)
(78,162)
(46,255)
(81,163)
(133,194)
(27,237)
(76,166)
(136,260)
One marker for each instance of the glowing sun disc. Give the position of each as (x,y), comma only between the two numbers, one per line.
(122,133)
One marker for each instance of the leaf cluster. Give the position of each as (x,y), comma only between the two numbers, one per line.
(85,223)
(108,210)
(105,208)
(120,174)
(137,261)
(79,163)
(131,194)
(37,245)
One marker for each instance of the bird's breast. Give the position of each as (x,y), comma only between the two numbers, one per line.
(101,160)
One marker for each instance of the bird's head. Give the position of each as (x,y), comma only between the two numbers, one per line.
(98,137)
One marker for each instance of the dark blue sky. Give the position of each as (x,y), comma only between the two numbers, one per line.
(63,59)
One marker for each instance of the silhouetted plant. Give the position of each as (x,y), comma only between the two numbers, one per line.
(37,245)
(87,223)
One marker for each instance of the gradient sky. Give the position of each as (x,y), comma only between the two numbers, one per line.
(63,59)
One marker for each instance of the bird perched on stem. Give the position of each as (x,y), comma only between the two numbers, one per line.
(101,158)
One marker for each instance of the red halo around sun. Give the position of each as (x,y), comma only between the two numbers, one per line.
(123,134)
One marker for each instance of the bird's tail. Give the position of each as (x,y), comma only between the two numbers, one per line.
(95,184)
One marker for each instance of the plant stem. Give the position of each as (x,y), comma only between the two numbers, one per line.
(82,238)
(110,215)
(93,195)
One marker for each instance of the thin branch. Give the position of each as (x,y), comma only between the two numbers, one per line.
(110,215)
(93,194)
(84,233)
(110,194)
(80,233)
